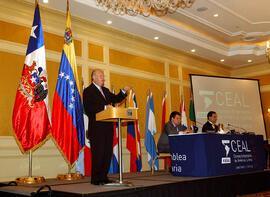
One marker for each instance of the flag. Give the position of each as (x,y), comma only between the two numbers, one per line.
(84,162)
(165,117)
(192,116)
(31,114)
(67,116)
(191,111)
(183,115)
(165,110)
(114,166)
(150,130)
(133,138)
(87,149)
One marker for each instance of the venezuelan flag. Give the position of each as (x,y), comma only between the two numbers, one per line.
(67,115)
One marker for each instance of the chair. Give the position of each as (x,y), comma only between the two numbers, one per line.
(164,156)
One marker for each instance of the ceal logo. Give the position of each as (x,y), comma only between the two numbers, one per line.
(226,160)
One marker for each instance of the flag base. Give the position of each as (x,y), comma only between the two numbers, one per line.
(118,184)
(30,179)
(70,176)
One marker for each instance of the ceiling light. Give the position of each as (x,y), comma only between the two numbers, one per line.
(109,22)
(215,15)
(144,7)
(249,61)
(193,50)
(202,9)
(156,38)
(45,1)
(222,60)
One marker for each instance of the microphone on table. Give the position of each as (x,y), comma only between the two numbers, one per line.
(230,125)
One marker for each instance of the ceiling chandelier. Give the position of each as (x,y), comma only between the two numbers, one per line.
(144,7)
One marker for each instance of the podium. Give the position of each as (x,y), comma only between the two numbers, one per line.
(117,114)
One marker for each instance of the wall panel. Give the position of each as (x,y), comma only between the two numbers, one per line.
(136,62)
(95,52)
(14,33)
(175,98)
(186,72)
(173,71)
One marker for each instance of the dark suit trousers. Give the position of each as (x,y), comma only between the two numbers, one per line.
(101,147)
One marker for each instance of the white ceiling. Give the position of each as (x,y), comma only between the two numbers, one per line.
(238,34)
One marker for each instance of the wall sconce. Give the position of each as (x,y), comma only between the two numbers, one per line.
(267,52)
(268,110)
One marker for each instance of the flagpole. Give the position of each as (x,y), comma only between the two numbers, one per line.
(30,163)
(67,6)
(30,179)
(120,152)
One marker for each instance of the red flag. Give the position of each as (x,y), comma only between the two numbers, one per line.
(30,119)
(87,160)
(133,139)
(165,110)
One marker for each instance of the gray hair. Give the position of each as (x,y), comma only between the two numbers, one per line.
(93,74)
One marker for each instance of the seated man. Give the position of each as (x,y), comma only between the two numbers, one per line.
(171,127)
(210,126)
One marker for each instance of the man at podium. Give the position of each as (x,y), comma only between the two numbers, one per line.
(95,99)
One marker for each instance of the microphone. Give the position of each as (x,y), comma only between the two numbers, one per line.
(230,125)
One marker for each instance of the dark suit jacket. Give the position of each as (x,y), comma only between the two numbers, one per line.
(94,102)
(163,142)
(209,127)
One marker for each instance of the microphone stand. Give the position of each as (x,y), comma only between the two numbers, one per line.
(230,125)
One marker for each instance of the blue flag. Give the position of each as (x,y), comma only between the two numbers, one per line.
(150,130)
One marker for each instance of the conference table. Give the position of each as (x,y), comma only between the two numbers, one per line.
(210,154)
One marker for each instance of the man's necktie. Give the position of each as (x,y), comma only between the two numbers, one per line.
(101,91)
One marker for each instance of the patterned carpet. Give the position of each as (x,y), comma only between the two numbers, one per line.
(261,194)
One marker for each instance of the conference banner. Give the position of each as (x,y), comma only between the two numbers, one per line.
(204,155)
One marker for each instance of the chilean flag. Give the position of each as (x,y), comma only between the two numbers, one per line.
(31,114)
(67,115)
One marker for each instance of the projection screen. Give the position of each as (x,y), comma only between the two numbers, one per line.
(236,101)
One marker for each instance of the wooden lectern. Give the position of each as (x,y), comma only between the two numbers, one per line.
(117,114)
